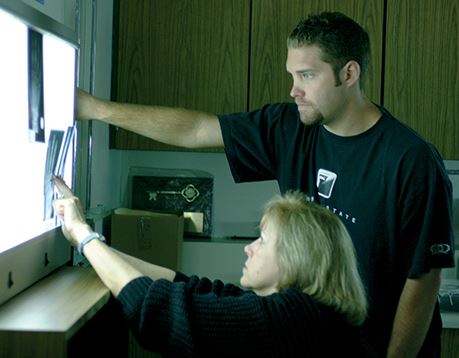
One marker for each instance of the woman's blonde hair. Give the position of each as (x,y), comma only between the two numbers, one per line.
(316,254)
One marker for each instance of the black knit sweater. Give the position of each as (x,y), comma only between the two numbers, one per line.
(194,317)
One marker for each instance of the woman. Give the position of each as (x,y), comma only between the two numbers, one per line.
(301,295)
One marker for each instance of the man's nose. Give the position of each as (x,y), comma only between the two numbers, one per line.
(296,91)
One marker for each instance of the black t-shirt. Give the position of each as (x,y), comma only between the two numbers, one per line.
(388,186)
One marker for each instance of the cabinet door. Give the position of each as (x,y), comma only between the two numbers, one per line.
(181,53)
(272,22)
(450,343)
(421,72)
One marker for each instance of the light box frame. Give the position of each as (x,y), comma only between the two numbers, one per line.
(28,262)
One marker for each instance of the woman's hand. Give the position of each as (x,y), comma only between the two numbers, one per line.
(113,270)
(69,209)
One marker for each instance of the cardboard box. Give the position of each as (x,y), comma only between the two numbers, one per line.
(153,237)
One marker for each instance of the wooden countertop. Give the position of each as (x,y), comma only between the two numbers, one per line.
(60,303)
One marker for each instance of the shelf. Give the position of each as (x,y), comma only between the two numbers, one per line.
(61,302)
(43,320)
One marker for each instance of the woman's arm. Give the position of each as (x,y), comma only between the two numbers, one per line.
(114,269)
(148,269)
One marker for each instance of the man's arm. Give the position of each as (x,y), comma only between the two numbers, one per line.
(414,315)
(175,126)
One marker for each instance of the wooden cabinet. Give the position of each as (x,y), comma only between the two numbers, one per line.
(272,22)
(229,55)
(421,73)
(67,314)
(184,53)
(450,343)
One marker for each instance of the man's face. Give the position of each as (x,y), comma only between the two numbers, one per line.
(314,89)
(261,270)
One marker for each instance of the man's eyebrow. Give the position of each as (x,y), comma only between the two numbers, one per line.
(304,70)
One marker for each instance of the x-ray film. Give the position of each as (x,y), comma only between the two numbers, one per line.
(52,158)
(60,167)
(36,98)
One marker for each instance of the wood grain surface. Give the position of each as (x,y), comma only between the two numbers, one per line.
(422,71)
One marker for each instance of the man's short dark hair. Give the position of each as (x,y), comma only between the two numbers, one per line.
(339,37)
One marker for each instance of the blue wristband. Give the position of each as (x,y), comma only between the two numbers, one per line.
(91,236)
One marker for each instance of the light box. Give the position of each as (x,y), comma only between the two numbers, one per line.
(37,93)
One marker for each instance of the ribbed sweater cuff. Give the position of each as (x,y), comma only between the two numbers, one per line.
(132,295)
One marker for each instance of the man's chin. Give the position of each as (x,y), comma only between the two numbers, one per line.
(309,120)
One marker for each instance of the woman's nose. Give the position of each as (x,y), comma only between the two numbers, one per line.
(248,250)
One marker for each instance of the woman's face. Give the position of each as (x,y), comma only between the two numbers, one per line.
(261,270)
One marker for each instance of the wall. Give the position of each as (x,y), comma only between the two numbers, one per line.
(236,208)
(102,167)
(453,167)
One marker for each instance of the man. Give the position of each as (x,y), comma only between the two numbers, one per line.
(387,184)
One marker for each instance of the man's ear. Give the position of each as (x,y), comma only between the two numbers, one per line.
(350,73)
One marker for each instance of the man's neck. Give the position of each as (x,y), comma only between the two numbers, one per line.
(358,117)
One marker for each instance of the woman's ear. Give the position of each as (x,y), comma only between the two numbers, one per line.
(350,73)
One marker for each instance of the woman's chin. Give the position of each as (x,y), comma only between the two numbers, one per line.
(243,282)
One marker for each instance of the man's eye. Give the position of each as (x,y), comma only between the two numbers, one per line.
(306,75)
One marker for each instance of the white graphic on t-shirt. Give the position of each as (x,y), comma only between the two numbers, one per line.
(440,249)
(325,182)
(340,213)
